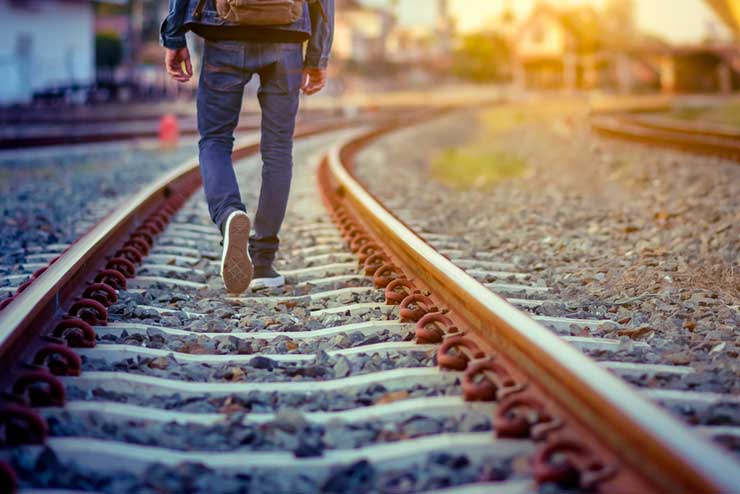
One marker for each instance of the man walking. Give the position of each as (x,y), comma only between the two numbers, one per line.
(244,38)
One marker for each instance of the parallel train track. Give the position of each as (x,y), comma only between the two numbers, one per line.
(57,130)
(701,139)
(250,389)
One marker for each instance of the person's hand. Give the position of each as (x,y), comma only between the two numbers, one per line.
(178,64)
(314,80)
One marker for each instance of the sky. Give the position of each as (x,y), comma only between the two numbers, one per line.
(679,21)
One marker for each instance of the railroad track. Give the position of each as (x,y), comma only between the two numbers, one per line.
(23,259)
(702,139)
(61,131)
(91,132)
(318,387)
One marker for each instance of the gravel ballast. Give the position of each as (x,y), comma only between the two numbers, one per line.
(196,372)
(53,196)
(644,238)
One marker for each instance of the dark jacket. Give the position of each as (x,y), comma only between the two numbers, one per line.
(315,26)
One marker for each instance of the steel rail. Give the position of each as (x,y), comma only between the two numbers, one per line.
(701,140)
(48,140)
(663,453)
(660,122)
(33,311)
(102,135)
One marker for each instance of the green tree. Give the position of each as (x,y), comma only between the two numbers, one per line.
(108,50)
(483,57)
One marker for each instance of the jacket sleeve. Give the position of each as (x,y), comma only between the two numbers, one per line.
(322,33)
(173,30)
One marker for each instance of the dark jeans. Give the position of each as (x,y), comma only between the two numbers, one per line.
(227,66)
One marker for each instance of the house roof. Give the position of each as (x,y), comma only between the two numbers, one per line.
(729,12)
(590,31)
(586,27)
(582,24)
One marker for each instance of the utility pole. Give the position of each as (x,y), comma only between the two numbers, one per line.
(135,28)
(445,26)
(137,25)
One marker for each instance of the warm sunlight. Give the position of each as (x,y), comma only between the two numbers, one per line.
(676,20)
(369,246)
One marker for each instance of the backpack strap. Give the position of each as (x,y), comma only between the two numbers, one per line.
(198,10)
(321,8)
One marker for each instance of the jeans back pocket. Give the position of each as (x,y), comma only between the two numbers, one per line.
(223,65)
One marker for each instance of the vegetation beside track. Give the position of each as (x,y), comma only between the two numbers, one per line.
(725,114)
(481,162)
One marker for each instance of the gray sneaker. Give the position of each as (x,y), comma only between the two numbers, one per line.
(236,265)
(267,277)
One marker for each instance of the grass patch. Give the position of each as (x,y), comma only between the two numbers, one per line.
(480,162)
(475,166)
(500,120)
(688,113)
(725,114)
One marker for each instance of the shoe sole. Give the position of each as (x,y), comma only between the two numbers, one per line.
(268,282)
(236,265)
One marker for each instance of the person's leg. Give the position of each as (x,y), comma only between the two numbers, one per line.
(220,91)
(279,97)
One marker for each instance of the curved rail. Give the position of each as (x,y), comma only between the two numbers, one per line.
(655,451)
(660,122)
(614,440)
(99,130)
(98,137)
(701,139)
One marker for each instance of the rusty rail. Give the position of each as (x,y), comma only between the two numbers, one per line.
(708,140)
(54,292)
(614,440)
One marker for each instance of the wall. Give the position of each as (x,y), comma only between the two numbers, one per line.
(358,35)
(542,36)
(44,43)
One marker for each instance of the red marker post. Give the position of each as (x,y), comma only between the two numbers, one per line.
(169,131)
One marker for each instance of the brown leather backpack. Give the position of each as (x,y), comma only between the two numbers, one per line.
(260,12)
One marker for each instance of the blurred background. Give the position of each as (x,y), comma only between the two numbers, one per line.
(67,52)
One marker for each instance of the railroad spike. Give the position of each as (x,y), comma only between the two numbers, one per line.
(22,425)
(432,327)
(576,467)
(59,359)
(76,332)
(90,311)
(40,388)
(8,479)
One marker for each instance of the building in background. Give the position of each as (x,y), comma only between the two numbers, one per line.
(585,48)
(410,45)
(431,44)
(706,68)
(444,30)
(361,32)
(44,44)
(140,73)
(551,46)
(135,22)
